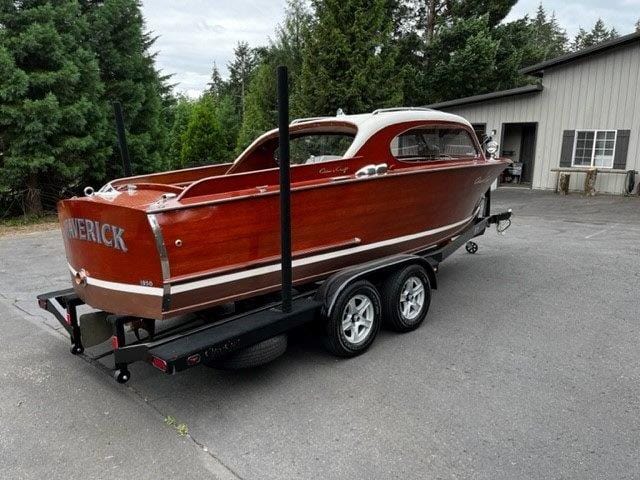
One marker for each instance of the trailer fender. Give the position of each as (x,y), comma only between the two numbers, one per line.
(331,288)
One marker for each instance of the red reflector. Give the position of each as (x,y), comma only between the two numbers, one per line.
(193,359)
(67,318)
(114,342)
(159,363)
(42,303)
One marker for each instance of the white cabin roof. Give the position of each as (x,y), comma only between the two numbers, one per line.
(368,124)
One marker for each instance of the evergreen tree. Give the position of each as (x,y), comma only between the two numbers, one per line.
(288,46)
(580,40)
(181,115)
(229,121)
(408,18)
(260,106)
(129,75)
(203,141)
(53,124)
(260,111)
(548,38)
(462,60)
(598,34)
(494,10)
(421,24)
(350,58)
(430,16)
(216,85)
(516,48)
(240,71)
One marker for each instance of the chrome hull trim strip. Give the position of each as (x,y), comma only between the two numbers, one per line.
(164,260)
(232,277)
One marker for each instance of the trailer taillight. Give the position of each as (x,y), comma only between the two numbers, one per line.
(159,363)
(42,303)
(193,359)
(114,343)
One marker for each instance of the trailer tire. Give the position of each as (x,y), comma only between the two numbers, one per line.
(361,294)
(404,305)
(253,356)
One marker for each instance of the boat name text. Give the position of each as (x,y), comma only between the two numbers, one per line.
(94,231)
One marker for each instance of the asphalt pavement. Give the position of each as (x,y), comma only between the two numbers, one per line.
(527,367)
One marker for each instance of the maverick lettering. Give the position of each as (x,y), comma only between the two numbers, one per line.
(94,231)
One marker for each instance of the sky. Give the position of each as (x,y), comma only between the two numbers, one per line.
(193,34)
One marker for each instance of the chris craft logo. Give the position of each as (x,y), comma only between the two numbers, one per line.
(94,231)
(340,170)
(480,180)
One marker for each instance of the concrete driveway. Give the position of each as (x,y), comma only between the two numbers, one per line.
(527,367)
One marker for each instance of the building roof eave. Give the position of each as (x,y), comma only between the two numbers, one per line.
(539,68)
(488,96)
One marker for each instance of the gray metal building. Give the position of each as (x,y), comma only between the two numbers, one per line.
(584,112)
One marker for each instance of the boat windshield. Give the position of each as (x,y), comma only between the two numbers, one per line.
(317,147)
(433,143)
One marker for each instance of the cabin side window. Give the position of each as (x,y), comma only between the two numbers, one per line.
(425,144)
(316,147)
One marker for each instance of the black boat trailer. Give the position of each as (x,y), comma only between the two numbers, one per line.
(179,348)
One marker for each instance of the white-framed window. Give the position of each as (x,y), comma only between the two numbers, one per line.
(428,143)
(594,148)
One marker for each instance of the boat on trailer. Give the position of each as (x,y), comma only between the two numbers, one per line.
(363,187)
(371,206)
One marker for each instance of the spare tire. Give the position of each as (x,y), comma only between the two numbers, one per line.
(253,356)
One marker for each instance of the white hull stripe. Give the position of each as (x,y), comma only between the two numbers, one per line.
(121,287)
(232,277)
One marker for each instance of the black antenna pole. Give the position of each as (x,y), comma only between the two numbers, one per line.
(285,187)
(122,138)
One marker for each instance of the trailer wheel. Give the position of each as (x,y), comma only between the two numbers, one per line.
(406,296)
(354,321)
(471,247)
(253,356)
(122,375)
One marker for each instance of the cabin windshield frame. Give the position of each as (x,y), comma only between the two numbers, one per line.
(419,158)
(315,159)
(266,146)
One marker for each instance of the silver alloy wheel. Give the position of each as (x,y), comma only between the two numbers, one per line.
(412,298)
(357,319)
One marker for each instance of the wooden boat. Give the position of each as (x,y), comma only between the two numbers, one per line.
(363,187)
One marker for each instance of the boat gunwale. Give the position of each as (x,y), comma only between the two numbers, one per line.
(338,180)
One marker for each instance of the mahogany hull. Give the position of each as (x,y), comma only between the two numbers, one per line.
(176,260)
